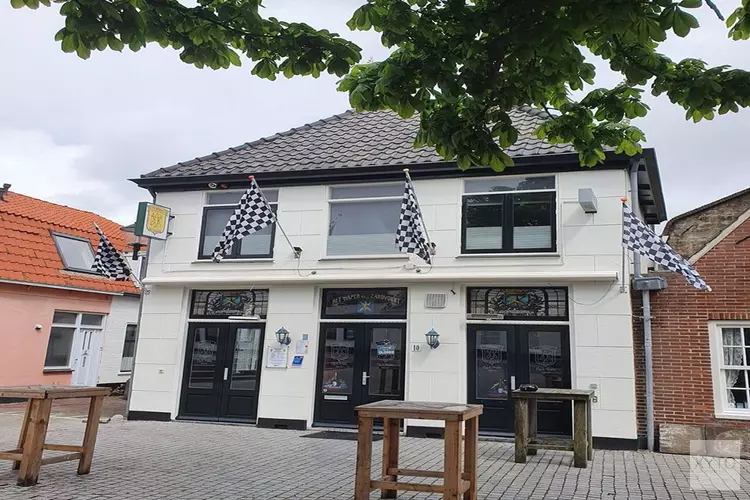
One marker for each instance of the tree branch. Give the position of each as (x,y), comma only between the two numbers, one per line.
(715,9)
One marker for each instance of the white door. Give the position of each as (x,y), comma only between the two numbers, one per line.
(86,357)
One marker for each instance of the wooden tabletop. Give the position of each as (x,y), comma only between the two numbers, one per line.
(52,391)
(419,410)
(561,394)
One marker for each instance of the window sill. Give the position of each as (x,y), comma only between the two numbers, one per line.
(122,374)
(509,254)
(62,369)
(736,415)
(209,261)
(365,257)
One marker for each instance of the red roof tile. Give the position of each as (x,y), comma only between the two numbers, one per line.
(28,252)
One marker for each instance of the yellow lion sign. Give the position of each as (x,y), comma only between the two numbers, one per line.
(152,221)
(156,219)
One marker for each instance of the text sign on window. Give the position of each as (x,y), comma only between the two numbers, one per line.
(222,304)
(373,302)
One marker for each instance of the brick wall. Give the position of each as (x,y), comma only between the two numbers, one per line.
(683,390)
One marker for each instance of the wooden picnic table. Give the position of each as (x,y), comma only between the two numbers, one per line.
(527,442)
(455,482)
(32,440)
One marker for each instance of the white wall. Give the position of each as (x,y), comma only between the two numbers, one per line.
(601,333)
(124,311)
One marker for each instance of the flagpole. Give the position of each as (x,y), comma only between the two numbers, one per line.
(416,200)
(296,250)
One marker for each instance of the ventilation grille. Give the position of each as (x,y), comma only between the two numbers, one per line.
(435,300)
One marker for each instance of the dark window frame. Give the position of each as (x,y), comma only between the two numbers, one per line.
(507,223)
(235,253)
(564,289)
(125,343)
(56,235)
(374,318)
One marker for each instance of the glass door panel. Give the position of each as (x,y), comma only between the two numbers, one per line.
(338,360)
(386,362)
(203,357)
(492,375)
(245,359)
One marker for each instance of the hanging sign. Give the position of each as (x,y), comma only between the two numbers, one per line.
(152,221)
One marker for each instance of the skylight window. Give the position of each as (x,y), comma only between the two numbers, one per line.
(76,253)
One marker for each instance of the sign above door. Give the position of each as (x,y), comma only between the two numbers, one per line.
(385,303)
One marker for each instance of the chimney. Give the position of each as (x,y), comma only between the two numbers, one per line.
(4,190)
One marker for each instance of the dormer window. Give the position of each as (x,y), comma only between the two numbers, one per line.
(75,252)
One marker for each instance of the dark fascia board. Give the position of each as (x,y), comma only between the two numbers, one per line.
(523,165)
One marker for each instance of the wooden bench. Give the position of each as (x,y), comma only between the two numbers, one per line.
(455,482)
(527,442)
(32,440)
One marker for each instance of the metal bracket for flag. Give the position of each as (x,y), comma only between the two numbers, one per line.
(296,250)
(430,244)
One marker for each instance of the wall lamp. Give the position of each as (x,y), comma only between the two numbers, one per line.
(432,338)
(282,335)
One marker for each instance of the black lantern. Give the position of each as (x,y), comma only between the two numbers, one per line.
(432,338)
(282,335)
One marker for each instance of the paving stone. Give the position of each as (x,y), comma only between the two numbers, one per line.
(191,461)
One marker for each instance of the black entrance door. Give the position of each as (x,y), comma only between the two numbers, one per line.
(358,363)
(222,372)
(502,357)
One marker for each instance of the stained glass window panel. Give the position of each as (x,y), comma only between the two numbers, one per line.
(222,304)
(519,303)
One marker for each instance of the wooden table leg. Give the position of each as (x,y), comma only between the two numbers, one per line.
(22,436)
(36,433)
(590,431)
(89,435)
(452,460)
(580,434)
(470,456)
(364,459)
(390,453)
(522,429)
(532,425)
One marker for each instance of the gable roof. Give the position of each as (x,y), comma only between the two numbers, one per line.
(695,232)
(350,139)
(28,253)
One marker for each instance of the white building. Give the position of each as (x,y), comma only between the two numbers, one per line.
(525,285)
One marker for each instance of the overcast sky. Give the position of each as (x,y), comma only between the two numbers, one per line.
(74,131)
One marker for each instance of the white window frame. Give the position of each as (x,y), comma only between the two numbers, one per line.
(331,201)
(557,228)
(77,336)
(201,226)
(722,410)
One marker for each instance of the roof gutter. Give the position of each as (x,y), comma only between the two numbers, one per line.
(57,287)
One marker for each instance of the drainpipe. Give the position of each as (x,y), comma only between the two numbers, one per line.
(647,340)
(141,276)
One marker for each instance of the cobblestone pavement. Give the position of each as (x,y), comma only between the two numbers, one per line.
(192,461)
(74,408)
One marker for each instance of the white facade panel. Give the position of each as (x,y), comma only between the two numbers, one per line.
(123,312)
(601,351)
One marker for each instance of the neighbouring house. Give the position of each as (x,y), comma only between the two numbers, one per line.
(62,322)
(701,340)
(526,284)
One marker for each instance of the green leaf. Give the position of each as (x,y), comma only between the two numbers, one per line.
(83,51)
(691,4)
(32,4)
(17,4)
(70,43)
(115,43)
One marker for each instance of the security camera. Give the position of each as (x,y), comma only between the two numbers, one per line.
(37,327)
(212,185)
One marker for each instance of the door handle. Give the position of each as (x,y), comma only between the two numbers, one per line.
(365,376)
(512,382)
(226,373)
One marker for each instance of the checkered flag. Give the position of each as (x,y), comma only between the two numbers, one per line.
(109,261)
(638,237)
(251,215)
(410,235)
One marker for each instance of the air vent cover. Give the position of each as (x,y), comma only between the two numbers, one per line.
(435,300)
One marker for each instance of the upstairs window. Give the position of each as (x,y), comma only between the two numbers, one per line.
(364,219)
(76,253)
(220,206)
(509,215)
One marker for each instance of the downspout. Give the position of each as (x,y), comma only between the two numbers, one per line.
(141,276)
(647,339)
